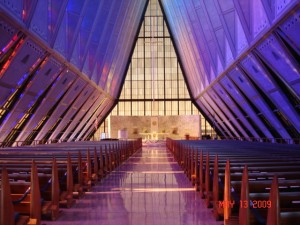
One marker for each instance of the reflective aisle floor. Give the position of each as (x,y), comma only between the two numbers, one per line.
(148,189)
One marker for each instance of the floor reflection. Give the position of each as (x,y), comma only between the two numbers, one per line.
(149,188)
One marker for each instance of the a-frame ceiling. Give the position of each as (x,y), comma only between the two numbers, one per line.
(63,63)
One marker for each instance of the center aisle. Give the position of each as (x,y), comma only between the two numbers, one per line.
(148,189)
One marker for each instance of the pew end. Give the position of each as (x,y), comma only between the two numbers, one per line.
(77,191)
(33,221)
(50,211)
(66,200)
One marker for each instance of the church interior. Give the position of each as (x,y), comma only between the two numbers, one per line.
(153,112)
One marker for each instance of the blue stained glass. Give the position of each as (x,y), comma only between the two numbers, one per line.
(75,5)
(60,94)
(90,14)
(22,79)
(20,116)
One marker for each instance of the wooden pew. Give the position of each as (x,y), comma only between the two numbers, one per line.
(195,170)
(95,173)
(87,173)
(66,185)
(227,193)
(49,188)
(261,171)
(216,196)
(31,205)
(250,209)
(78,190)
(45,176)
(7,213)
(208,191)
(101,164)
(50,208)
(201,176)
(244,212)
(255,185)
(49,193)
(113,158)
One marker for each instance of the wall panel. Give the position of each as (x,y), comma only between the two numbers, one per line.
(61,85)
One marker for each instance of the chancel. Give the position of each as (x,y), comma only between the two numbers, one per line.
(157,112)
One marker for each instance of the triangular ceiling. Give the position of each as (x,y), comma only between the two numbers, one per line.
(240,59)
(62,63)
(154,82)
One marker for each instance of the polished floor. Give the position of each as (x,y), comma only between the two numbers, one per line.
(148,189)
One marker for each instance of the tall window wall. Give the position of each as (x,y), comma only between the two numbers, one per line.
(154,84)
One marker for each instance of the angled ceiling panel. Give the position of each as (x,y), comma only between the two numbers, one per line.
(74,108)
(89,126)
(182,37)
(227,8)
(47,72)
(281,6)
(244,11)
(16,7)
(234,108)
(290,27)
(79,47)
(9,35)
(46,19)
(202,60)
(115,29)
(61,38)
(16,74)
(253,16)
(230,118)
(68,29)
(96,38)
(268,85)
(237,95)
(28,55)
(93,39)
(240,36)
(260,21)
(221,36)
(60,86)
(60,109)
(89,114)
(122,56)
(215,118)
(84,110)
(278,58)
(204,22)
(253,95)
(215,125)
(38,25)
(116,57)
(230,18)
(222,117)
(6,91)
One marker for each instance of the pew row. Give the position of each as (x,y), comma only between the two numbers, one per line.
(71,174)
(219,176)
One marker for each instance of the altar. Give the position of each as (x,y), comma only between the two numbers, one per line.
(154,127)
(154,136)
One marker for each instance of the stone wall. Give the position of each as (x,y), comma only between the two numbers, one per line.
(175,127)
